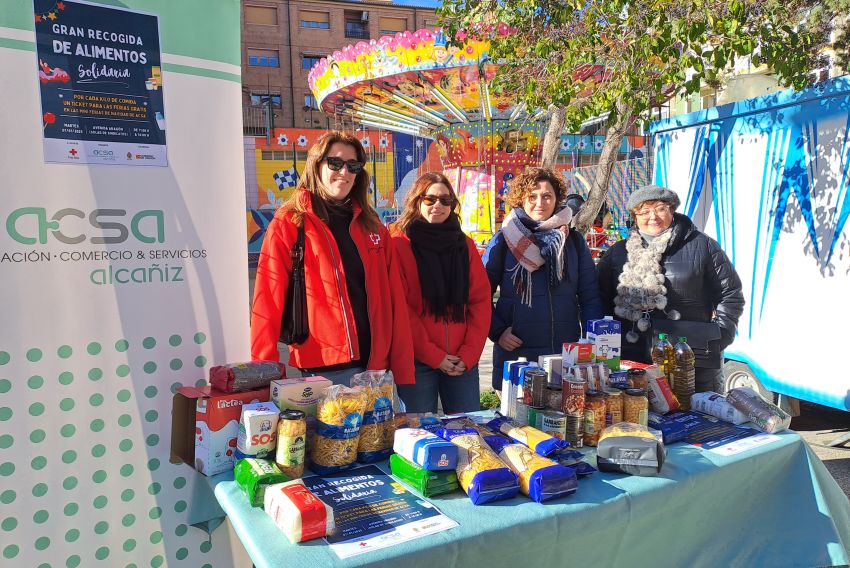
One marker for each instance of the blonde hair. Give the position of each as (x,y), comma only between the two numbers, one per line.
(414,196)
(311,181)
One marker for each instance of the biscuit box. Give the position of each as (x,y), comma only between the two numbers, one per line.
(605,335)
(205,425)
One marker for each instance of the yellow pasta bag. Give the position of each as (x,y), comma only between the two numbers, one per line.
(481,473)
(540,478)
(378,430)
(339,416)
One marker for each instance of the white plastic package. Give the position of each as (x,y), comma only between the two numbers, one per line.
(716,405)
(297,512)
(764,415)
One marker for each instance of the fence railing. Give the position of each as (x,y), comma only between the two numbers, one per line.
(255,121)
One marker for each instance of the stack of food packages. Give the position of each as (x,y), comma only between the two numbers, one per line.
(335,425)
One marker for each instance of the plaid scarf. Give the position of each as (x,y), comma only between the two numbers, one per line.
(535,244)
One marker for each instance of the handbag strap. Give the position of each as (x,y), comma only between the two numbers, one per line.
(297,253)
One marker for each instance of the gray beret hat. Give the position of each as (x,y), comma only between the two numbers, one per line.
(652,193)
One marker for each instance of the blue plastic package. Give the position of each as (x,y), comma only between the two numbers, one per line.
(540,478)
(539,441)
(481,473)
(449,433)
(425,449)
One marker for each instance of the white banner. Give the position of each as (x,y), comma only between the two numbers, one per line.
(119,284)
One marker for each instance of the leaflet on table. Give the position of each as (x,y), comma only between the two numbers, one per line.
(373,511)
(716,434)
(744,444)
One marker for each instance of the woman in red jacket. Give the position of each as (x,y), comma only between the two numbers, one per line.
(356,311)
(448,295)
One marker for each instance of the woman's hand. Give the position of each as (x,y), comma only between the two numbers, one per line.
(452,365)
(508,341)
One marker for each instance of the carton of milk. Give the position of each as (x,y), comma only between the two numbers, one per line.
(553,365)
(257,436)
(606,338)
(574,353)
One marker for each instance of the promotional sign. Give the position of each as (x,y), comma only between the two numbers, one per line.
(119,284)
(101,85)
(372,511)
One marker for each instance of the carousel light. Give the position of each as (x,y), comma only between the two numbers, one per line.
(429,114)
(449,104)
(393,114)
(377,115)
(391,126)
(485,101)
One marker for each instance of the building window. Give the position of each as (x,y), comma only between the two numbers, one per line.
(263,15)
(315,20)
(274,155)
(391,26)
(262,99)
(356,29)
(263,58)
(307,61)
(310,102)
(430,23)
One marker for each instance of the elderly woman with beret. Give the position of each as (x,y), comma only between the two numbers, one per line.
(669,270)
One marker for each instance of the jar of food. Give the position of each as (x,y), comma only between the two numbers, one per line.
(613,406)
(594,416)
(635,406)
(638,379)
(291,443)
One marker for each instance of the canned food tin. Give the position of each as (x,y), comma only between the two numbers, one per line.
(554,423)
(552,398)
(534,414)
(572,399)
(536,379)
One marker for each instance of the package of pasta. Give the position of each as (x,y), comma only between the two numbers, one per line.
(481,473)
(339,416)
(425,449)
(764,415)
(494,440)
(378,429)
(253,476)
(630,448)
(428,483)
(539,441)
(297,512)
(540,478)
(239,377)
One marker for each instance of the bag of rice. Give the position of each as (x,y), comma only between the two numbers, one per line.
(540,478)
(297,512)
(540,442)
(481,473)
(378,428)
(253,476)
(428,483)
(339,416)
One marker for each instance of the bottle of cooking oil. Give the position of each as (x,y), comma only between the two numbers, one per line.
(663,355)
(684,373)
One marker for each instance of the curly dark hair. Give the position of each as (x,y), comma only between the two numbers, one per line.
(521,186)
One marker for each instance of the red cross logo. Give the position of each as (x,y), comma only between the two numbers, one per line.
(375,238)
(73,151)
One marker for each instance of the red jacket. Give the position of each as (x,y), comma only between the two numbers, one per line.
(333,334)
(437,338)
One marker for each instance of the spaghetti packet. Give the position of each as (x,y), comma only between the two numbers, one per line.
(481,473)
(378,428)
(540,478)
(339,415)
(540,442)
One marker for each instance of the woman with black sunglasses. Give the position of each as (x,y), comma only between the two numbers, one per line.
(357,315)
(448,296)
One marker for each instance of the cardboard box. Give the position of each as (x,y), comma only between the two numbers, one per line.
(205,425)
(575,352)
(606,338)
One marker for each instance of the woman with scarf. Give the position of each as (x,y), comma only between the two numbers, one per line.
(356,314)
(669,276)
(544,272)
(448,298)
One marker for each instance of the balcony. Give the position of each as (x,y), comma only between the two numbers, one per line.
(255,121)
(356,30)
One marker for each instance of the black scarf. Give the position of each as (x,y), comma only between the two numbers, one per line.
(442,260)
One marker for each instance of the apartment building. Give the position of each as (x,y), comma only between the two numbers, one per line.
(282,39)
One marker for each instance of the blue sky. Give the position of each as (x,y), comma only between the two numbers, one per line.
(423,3)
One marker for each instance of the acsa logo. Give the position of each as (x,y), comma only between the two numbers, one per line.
(31,225)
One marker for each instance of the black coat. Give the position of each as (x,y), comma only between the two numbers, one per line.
(700,279)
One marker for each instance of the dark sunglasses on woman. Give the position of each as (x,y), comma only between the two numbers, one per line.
(446,200)
(335,165)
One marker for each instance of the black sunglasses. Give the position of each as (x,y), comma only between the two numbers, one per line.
(335,164)
(446,200)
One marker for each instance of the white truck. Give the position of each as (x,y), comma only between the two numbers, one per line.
(768,178)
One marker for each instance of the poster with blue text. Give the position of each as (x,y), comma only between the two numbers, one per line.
(101,84)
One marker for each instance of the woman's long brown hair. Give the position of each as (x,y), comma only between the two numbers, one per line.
(312,182)
(414,196)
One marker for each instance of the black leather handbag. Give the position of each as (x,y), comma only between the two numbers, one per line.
(703,338)
(294,327)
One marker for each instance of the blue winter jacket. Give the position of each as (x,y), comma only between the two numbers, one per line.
(556,314)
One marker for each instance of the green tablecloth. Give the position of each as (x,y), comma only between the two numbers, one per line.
(775,505)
